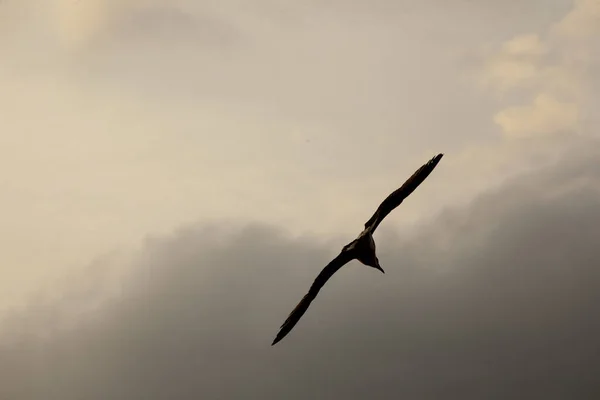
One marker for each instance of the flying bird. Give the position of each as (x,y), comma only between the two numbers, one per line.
(362,248)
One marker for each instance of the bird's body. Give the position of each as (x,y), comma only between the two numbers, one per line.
(362,248)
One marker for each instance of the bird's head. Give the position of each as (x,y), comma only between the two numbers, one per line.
(375,264)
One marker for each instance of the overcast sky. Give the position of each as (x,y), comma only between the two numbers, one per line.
(174,174)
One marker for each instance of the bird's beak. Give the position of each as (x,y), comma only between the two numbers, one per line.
(379,267)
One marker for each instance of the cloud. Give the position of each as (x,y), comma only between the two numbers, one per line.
(495,300)
(60,29)
(166,111)
(128,117)
(515,64)
(545,116)
(76,22)
(553,70)
(582,21)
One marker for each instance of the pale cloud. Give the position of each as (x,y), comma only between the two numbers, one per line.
(582,21)
(527,63)
(77,21)
(516,64)
(550,70)
(546,115)
(527,45)
(80,26)
(507,73)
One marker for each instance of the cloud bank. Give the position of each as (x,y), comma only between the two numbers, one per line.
(496,300)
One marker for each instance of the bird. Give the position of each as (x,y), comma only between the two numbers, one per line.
(362,248)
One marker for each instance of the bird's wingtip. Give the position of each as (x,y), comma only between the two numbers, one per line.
(437,158)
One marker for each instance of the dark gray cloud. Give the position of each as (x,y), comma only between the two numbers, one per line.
(497,300)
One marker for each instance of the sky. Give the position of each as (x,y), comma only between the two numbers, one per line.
(174,174)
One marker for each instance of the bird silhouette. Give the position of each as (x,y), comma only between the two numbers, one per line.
(362,248)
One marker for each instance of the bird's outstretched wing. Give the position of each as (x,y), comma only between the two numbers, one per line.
(343,258)
(398,196)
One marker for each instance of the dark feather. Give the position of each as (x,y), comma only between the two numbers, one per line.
(398,196)
(342,259)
